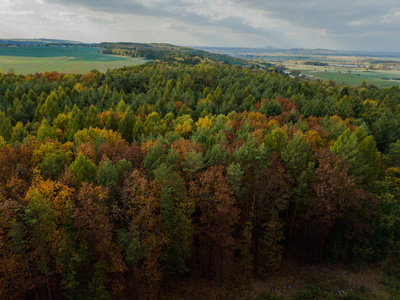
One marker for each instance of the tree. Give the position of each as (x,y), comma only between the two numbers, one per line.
(53,164)
(270,244)
(394,153)
(359,150)
(144,237)
(138,130)
(216,156)
(126,125)
(121,108)
(154,125)
(5,126)
(183,125)
(92,117)
(155,156)
(107,175)
(386,130)
(40,223)
(112,123)
(2,141)
(193,162)
(83,169)
(94,228)
(50,108)
(18,133)
(45,131)
(296,155)
(219,217)
(276,140)
(338,201)
(176,210)
(77,120)
(271,108)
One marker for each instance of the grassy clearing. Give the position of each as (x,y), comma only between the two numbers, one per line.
(25,60)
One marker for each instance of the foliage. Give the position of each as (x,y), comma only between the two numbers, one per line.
(83,169)
(115,184)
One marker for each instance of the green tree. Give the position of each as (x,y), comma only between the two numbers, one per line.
(359,150)
(45,130)
(193,162)
(53,165)
(271,108)
(296,154)
(121,108)
(92,117)
(50,108)
(18,133)
(39,218)
(176,211)
(126,125)
(83,169)
(5,126)
(112,123)
(394,153)
(107,175)
(276,140)
(216,156)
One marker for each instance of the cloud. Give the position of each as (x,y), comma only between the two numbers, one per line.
(195,13)
(17,13)
(340,18)
(334,24)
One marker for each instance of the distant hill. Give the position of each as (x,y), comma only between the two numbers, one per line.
(303,51)
(238,50)
(36,42)
(168,52)
(269,49)
(152,51)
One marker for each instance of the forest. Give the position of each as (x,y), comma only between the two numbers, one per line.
(171,53)
(125,184)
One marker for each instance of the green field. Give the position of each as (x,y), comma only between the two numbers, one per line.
(352,79)
(39,59)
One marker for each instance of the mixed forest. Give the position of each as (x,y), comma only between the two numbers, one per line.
(125,184)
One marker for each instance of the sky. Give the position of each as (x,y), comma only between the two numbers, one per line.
(369,25)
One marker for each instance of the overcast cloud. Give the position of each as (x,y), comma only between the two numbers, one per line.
(334,24)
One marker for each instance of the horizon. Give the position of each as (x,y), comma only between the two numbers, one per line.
(207,46)
(311,24)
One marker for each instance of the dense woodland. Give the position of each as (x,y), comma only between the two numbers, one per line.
(127,183)
(172,53)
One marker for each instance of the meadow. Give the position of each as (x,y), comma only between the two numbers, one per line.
(26,60)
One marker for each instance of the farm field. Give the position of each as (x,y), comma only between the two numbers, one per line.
(25,60)
(350,69)
(338,69)
(351,79)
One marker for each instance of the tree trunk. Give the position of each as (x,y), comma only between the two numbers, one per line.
(294,219)
(30,275)
(48,284)
(221,270)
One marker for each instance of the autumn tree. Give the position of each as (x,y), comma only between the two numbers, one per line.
(218,220)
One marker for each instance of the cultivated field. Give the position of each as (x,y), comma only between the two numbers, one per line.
(25,60)
(350,78)
(352,70)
